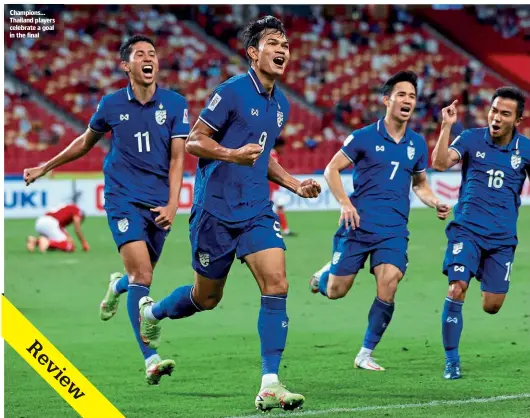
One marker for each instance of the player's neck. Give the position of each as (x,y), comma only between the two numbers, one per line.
(395,129)
(266,81)
(143,94)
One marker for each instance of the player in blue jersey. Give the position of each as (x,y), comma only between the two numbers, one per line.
(482,237)
(232,215)
(387,157)
(143,175)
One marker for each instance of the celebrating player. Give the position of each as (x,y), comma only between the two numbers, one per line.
(483,237)
(143,175)
(386,156)
(51,231)
(232,214)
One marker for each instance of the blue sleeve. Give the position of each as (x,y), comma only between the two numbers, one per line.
(98,121)
(421,163)
(220,108)
(461,144)
(181,123)
(352,148)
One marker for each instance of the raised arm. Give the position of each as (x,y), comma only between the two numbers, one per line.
(443,157)
(77,148)
(277,174)
(201,144)
(348,214)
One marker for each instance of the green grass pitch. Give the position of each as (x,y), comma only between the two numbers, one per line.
(217,352)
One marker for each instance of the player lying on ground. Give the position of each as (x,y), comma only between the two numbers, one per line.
(143,175)
(277,197)
(51,232)
(232,214)
(387,156)
(483,236)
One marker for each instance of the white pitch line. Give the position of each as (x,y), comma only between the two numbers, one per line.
(383,407)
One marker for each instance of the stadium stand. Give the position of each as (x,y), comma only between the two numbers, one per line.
(340,55)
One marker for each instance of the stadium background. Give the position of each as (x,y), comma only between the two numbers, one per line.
(340,55)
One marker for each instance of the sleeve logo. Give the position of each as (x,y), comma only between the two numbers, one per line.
(185,117)
(214,102)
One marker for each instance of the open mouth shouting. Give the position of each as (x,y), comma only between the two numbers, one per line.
(279,61)
(405,111)
(495,129)
(147,70)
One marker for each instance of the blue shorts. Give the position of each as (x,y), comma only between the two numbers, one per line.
(351,248)
(134,222)
(215,242)
(490,264)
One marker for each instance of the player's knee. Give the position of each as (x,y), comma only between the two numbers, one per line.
(457,290)
(336,291)
(275,284)
(142,276)
(492,308)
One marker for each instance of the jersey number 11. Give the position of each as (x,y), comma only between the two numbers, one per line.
(147,145)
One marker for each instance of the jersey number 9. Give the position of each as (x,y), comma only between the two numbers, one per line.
(262,139)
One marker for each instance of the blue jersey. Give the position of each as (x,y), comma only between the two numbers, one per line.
(492,181)
(382,176)
(136,168)
(240,112)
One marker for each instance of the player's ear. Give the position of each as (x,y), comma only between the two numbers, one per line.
(386,100)
(518,121)
(124,65)
(252,53)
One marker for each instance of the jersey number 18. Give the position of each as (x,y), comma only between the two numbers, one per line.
(496,178)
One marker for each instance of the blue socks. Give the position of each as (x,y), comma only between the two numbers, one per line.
(135,293)
(179,304)
(272,329)
(378,319)
(122,285)
(323,283)
(452,326)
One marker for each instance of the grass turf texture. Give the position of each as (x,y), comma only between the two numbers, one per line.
(217,352)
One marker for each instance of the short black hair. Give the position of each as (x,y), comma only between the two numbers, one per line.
(512,93)
(254,31)
(126,47)
(399,77)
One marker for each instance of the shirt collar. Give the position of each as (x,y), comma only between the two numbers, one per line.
(512,145)
(381,128)
(259,87)
(131,97)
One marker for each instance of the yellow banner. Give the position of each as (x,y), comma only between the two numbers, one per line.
(53,366)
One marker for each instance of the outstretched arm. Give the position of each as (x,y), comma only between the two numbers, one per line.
(201,144)
(421,187)
(443,157)
(277,174)
(348,213)
(77,148)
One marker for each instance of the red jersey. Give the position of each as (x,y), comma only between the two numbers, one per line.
(273,186)
(65,214)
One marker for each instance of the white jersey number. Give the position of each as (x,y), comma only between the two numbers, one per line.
(262,139)
(496,178)
(140,145)
(394,170)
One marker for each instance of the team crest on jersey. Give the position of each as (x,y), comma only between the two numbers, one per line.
(516,161)
(457,247)
(161,115)
(336,257)
(411,151)
(204,259)
(123,225)
(279,118)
